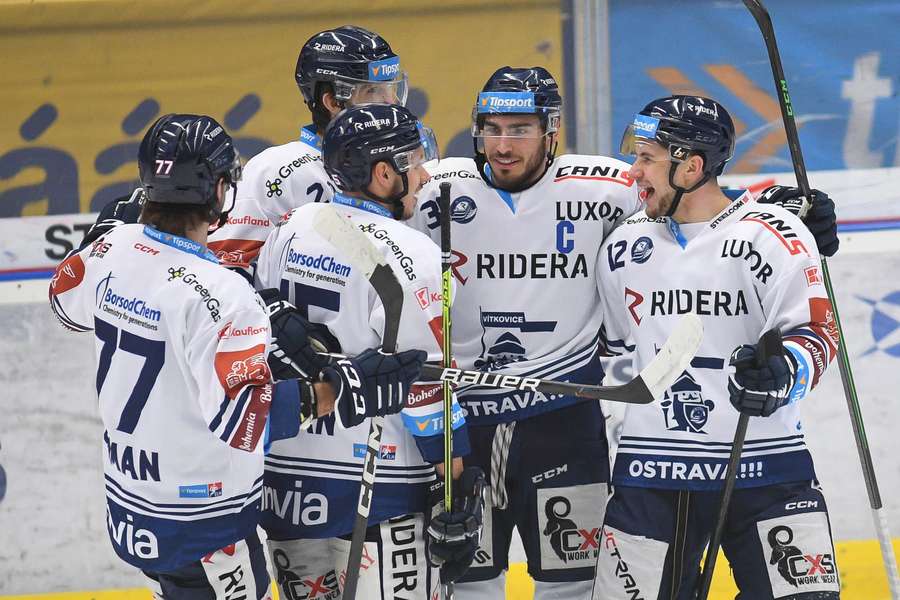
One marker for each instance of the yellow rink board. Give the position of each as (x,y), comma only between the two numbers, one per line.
(861,570)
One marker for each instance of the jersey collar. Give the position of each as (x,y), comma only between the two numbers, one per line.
(309,137)
(180,243)
(738,199)
(366,205)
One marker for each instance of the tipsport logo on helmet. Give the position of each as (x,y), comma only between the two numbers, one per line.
(384,70)
(506,102)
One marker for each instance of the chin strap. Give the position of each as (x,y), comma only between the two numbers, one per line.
(680,191)
(218,218)
(395,202)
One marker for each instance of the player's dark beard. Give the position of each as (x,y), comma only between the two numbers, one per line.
(534,169)
(661,201)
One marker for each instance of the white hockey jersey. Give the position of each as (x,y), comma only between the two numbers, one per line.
(184,391)
(274,182)
(751,268)
(312,481)
(526,301)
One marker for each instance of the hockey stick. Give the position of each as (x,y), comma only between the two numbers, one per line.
(360,252)
(668,364)
(761,15)
(769,345)
(444,204)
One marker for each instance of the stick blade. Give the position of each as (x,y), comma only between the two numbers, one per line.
(674,357)
(340,232)
(360,252)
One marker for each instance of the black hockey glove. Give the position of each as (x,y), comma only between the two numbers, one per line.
(452,538)
(757,390)
(296,343)
(120,211)
(372,384)
(820,219)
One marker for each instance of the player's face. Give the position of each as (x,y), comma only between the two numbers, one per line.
(651,173)
(516,148)
(366,93)
(416,178)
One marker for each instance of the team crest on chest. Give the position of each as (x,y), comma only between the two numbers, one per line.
(684,407)
(641,249)
(463,209)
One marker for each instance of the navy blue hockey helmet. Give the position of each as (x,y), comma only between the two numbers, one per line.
(181,159)
(519,91)
(361,136)
(513,90)
(359,64)
(684,125)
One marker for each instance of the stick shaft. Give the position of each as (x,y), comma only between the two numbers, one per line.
(761,15)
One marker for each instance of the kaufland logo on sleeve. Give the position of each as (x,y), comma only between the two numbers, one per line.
(506,102)
(645,126)
(384,70)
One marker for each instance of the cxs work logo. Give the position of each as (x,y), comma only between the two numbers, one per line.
(801,559)
(570,520)
(884,323)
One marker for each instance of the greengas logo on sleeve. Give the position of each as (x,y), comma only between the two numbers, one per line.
(506,102)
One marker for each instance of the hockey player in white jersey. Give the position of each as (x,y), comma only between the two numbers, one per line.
(185,390)
(744,268)
(374,154)
(526,229)
(336,68)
